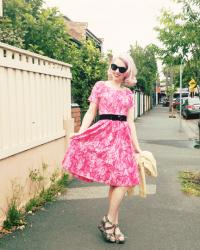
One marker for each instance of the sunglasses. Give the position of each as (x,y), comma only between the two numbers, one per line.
(121,69)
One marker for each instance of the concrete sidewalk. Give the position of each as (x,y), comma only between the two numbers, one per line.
(167,220)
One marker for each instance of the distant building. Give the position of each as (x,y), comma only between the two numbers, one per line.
(79,32)
(162,87)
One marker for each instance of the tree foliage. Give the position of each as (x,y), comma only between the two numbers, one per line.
(179,34)
(26,24)
(36,29)
(88,67)
(145,60)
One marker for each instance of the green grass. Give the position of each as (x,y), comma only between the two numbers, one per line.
(190,182)
(34,204)
(16,218)
(47,195)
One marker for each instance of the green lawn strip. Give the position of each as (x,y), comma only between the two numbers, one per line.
(16,219)
(190,182)
(47,195)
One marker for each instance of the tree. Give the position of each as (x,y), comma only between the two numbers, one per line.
(179,34)
(145,59)
(27,25)
(170,90)
(36,29)
(10,34)
(89,66)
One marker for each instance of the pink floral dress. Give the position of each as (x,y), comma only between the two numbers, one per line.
(104,152)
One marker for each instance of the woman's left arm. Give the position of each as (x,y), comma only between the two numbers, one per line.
(130,120)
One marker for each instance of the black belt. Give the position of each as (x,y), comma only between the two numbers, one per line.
(113,117)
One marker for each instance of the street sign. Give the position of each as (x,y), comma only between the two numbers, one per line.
(192,85)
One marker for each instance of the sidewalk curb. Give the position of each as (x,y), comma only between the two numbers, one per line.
(190,134)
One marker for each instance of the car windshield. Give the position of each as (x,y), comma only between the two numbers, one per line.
(194,101)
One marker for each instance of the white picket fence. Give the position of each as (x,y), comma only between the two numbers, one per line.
(34,93)
(142,103)
(35,96)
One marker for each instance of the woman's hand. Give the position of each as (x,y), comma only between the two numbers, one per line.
(74,134)
(138,150)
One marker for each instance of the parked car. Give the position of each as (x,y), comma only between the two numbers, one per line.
(165,102)
(161,100)
(191,107)
(176,103)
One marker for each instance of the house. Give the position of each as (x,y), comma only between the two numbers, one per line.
(79,32)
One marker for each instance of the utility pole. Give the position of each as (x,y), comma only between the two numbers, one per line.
(181,74)
(171,93)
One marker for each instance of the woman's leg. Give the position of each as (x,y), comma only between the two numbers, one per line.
(109,197)
(115,201)
(116,196)
(110,192)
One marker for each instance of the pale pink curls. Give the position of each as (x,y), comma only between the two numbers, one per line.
(130,75)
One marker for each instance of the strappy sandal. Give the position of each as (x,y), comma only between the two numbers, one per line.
(118,236)
(109,237)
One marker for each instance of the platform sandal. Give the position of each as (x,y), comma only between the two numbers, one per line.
(118,236)
(109,237)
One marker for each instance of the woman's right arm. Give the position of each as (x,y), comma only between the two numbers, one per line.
(88,117)
(130,119)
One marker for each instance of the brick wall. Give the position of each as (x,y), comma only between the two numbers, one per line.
(76,114)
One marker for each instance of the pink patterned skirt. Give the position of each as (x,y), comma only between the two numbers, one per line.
(103,153)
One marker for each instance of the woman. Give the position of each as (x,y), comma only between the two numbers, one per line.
(105,152)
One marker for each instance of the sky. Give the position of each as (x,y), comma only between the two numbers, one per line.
(119,22)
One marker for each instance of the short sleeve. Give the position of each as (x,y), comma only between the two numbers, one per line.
(94,96)
(131,102)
